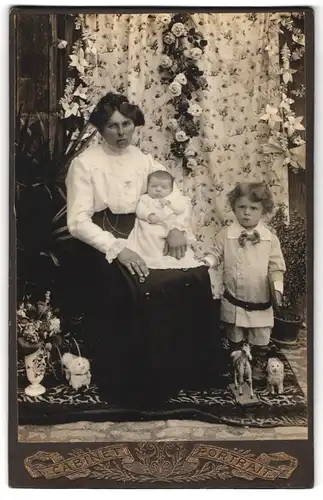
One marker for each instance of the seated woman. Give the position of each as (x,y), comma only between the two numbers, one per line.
(152,332)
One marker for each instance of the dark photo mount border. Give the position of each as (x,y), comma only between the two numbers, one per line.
(252,464)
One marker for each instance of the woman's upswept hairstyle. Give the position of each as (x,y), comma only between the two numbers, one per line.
(255,191)
(112,102)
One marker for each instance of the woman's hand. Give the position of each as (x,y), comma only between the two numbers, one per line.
(175,244)
(133,262)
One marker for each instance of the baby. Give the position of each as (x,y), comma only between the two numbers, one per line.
(158,211)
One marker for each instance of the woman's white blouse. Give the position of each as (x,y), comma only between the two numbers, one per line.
(100,178)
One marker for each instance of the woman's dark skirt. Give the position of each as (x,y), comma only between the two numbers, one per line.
(147,341)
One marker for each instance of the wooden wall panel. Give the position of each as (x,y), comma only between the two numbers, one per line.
(32,62)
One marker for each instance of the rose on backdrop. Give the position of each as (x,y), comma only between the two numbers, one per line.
(181,136)
(164,19)
(181,78)
(169,38)
(195,53)
(172,124)
(166,62)
(195,110)
(178,29)
(192,164)
(190,151)
(175,88)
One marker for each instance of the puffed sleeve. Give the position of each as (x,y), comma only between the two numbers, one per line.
(80,209)
(178,203)
(143,209)
(182,221)
(276,267)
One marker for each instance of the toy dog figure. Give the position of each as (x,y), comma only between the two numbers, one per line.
(275,376)
(242,368)
(77,370)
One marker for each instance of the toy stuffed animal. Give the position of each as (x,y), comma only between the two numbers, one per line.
(242,368)
(77,370)
(275,375)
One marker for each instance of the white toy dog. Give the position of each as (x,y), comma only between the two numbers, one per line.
(242,368)
(77,370)
(275,376)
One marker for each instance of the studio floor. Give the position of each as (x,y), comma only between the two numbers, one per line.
(171,430)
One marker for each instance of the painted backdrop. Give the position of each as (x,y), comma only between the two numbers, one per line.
(241,66)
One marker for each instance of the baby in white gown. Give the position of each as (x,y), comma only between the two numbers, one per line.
(158,211)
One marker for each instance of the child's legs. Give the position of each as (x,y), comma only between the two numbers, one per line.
(259,336)
(234,333)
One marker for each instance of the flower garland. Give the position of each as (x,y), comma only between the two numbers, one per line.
(286,145)
(182,48)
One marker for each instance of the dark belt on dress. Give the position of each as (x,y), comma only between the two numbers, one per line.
(248,306)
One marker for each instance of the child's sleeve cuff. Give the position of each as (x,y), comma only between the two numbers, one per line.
(210,260)
(279,286)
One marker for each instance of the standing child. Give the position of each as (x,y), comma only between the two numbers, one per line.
(250,252)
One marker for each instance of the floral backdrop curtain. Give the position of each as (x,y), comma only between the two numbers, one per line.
(241,65)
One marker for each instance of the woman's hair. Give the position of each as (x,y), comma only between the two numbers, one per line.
(161,174)
(110,103)
(255,191)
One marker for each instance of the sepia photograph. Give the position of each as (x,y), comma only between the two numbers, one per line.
(162,190)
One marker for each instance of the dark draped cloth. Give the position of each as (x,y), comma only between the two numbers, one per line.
(147,341)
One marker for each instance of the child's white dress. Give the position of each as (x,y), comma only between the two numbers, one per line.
(148,240)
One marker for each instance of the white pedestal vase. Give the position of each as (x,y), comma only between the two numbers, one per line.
(35,370)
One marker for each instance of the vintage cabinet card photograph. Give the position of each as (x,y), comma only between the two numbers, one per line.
(161,234)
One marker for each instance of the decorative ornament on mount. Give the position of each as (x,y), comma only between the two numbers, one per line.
(183,46)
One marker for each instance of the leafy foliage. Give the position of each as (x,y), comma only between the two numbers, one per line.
(41,164)
(292,236)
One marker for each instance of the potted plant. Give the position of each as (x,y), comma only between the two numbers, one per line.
(292,236)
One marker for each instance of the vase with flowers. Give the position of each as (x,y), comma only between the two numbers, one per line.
(38,331)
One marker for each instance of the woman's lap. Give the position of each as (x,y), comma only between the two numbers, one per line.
(150,339)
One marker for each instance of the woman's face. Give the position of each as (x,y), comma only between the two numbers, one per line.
(118,131)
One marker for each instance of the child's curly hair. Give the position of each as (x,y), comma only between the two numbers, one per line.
(255,191)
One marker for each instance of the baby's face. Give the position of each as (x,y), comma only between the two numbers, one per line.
(159,188)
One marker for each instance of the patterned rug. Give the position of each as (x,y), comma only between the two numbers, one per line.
(62,404)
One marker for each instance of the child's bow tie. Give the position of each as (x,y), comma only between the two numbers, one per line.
(244,236)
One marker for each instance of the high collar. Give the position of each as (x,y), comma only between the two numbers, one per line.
(236,229)
(114,151)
